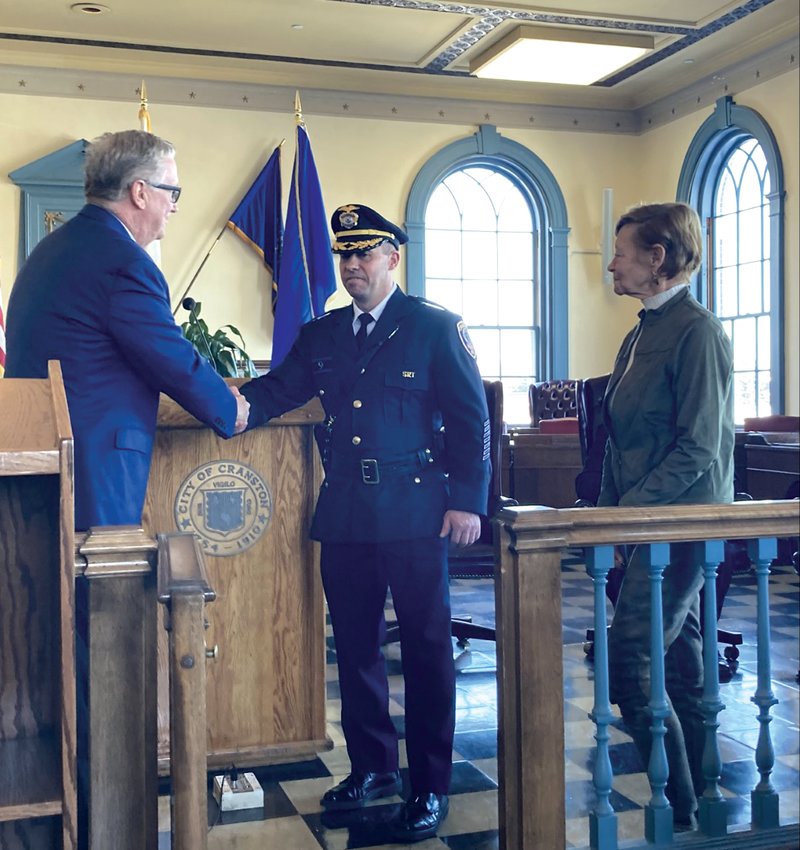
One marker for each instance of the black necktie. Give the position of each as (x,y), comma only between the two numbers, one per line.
(365,319)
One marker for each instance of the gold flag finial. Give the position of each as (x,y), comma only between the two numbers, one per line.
(144,115)
(298,110)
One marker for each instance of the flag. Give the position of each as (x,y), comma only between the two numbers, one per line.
(306,279)
(258,219)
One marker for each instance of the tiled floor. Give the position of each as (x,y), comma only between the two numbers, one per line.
(293,820)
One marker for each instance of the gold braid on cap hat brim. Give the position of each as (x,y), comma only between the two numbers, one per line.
(348,244)
(361,245)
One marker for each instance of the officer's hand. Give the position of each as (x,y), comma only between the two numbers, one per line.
(242,410)
(462,527)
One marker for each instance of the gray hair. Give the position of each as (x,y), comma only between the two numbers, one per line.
(115,160)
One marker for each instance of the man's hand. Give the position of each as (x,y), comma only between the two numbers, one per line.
(462,527)
(242,410)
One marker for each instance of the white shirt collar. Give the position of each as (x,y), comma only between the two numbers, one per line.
(653,302)
(375,312)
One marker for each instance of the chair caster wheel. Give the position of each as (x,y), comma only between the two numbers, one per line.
(731,653)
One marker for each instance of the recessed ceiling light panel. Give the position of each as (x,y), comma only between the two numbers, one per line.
(559,55)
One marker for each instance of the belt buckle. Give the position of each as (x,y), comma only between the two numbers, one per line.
(370,474)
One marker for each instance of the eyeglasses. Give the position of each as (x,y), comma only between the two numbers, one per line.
(174,190)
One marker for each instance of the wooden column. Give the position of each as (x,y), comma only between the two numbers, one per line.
(183,588)
(117,565)
(529,679)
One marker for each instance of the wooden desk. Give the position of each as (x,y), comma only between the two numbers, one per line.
(773,470)
(540,469)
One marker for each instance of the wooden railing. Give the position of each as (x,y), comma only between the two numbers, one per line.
(116,647)
(531,543)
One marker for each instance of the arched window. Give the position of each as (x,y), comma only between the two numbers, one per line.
(487,228)
(732,175)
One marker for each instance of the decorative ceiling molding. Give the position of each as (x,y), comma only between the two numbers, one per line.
(486,18)
(492,17)
(95,85)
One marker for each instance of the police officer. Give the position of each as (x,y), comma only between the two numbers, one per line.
(405,451)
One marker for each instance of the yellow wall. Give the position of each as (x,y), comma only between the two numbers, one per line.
(375,162)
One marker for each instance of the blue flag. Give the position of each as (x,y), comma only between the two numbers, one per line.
(306,279)
(258,219)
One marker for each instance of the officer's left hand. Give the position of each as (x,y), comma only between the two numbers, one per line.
(462,527)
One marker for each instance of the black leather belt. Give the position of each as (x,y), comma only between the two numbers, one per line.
(373,470)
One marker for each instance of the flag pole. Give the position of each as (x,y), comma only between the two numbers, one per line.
(204,260)
(200,268)
(144,115)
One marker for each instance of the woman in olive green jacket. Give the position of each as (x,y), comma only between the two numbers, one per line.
(668,409)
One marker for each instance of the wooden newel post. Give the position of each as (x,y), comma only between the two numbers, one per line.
(116,655)
(184,590)
(530,680)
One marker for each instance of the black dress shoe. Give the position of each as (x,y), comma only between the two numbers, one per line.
(359,788)
(420,818)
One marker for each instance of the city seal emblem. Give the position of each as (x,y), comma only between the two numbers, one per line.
(226,504)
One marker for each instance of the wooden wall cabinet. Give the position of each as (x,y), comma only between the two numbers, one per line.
(37,668)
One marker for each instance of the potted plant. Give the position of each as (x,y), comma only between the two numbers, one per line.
(229,358)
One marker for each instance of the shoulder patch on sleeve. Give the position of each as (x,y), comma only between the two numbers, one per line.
(463,335)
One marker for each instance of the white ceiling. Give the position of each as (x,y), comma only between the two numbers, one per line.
(362,54)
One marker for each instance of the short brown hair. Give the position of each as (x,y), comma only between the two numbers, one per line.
(675,226)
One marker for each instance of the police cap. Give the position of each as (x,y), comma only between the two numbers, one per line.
(359,228)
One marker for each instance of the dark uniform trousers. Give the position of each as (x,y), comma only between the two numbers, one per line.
(356,578)
(390,478)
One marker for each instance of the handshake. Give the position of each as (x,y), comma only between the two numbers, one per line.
(242,410)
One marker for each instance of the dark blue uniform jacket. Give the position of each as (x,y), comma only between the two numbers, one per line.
(390,471)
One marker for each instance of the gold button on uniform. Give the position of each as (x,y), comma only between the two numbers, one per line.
(357,403)
(356,441)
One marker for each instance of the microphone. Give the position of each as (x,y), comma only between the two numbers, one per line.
(191,305)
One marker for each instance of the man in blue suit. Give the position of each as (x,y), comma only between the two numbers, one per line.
(405,450)
(90,296)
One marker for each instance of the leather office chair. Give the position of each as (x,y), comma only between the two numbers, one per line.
(593,437)
(553,400)
(478,560)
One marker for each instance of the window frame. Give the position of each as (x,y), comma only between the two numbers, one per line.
(487,148)
(719,135)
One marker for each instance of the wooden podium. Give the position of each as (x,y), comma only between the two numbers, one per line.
(37,660)
(249,500)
